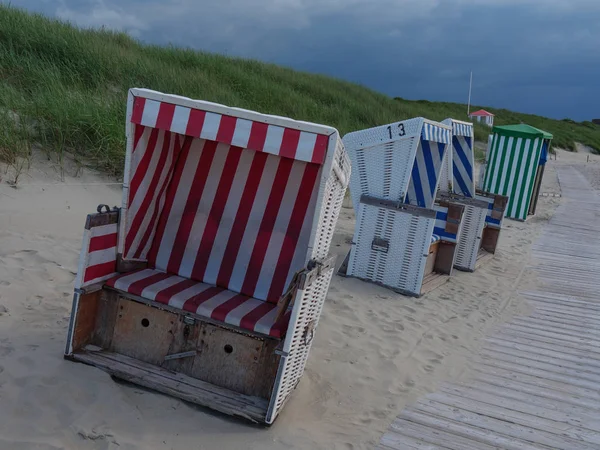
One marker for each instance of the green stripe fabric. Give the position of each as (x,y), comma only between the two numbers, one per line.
(512,167)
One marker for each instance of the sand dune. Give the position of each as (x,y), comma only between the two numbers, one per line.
(374,351)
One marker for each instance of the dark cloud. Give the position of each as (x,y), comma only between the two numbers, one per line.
(538,56)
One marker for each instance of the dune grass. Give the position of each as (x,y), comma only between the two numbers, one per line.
(70,86)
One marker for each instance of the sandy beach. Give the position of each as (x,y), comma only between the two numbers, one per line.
(375,351)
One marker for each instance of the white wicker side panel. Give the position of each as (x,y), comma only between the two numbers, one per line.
(303,323)
(401,267)
(308,302)
(335,190)
(472,225)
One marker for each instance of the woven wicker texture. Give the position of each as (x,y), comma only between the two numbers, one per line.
(472,226)
(400,161)
(400,266)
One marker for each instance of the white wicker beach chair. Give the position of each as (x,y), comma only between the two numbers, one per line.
(402,240)
(483,215)
(209,281)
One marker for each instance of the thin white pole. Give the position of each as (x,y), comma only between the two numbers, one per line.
(470,86)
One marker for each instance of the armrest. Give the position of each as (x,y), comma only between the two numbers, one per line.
(301,279)
(98,257)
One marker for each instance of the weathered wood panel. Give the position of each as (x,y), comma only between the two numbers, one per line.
(177,385)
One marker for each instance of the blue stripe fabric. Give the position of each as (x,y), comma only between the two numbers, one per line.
(425,173)
(441,150)
(435,133)
(416,192)
(462,165)
(462,129)
(488,217)
(434,238)
(449,237)
(544,154)
(429,166)
(441,216)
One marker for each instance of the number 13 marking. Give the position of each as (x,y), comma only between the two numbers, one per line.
(401,133)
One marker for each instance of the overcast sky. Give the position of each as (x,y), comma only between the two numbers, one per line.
(537,56)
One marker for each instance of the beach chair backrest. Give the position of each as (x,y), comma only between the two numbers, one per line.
(427,167)
(399,161)
(226,196)
(461,158)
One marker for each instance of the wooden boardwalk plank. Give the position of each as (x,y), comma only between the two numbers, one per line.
(529,404)
(536,380)
(437,437)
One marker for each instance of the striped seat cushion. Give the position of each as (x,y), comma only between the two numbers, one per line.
(203,299)
(435,238)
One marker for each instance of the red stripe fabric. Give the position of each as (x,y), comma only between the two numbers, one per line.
(250,320)
(171,191)
(142,168)
(195,123)
(206,206)
(292,234)
(266,226)
(137,287)
(216,212)
(156,207)
(150,191)
(289,143)
(226,129)
(138,109)
(258,135)
(102,242)
(137,134)
(191,206)
(192,304)
(165,295)
(111,282)
(165,116)
(220,312)
(320,150)
(241,218)
(100,270)
(280,327)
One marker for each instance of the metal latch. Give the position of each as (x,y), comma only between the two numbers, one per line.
(309,333)
(189,320)
(380,245)
(181,355)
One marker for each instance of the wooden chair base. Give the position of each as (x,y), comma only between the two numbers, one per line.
(211,365)
(175,384)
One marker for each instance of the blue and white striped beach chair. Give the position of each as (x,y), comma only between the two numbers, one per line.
(483,212)
(403,239)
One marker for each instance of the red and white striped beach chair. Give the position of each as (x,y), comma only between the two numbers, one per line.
(208,283)
(403,239)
